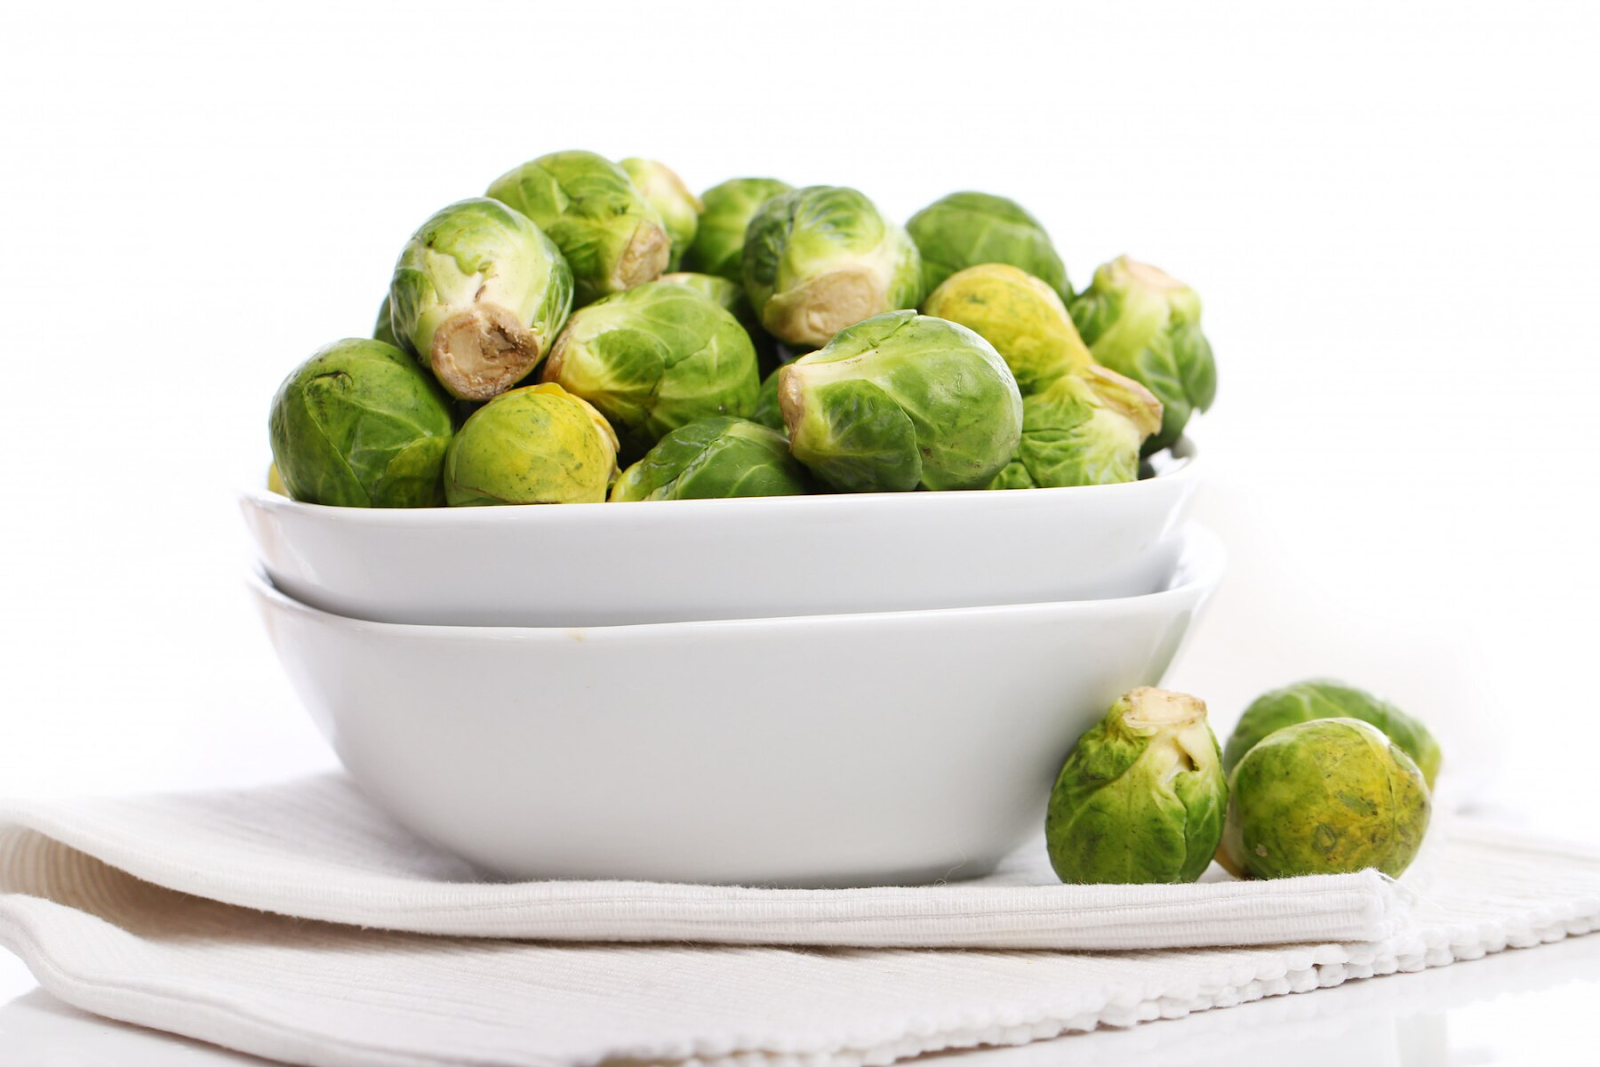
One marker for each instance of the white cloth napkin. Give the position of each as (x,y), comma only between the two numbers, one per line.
(299,924)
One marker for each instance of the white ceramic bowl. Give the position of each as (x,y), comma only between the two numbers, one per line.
(675,561)
(898,747)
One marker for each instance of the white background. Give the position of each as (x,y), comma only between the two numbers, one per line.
(1389,211)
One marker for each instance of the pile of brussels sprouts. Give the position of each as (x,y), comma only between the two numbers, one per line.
(1317,778)
(591,330)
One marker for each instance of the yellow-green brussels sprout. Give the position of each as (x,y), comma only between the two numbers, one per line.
(1324,699)
(654,358)
(1082,429)
(1142,322)
(678,207)
(718,246)
(360,424)
(768,412)
(965,229)
(1329,796)
(1017,313)
(731,296)
(382,330)
(1142,796)
(717,457)
(821,258)
(612,237)
(902,401)
(479,294)
(275,481)
(534,445)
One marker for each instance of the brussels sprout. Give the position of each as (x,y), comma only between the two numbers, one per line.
(1083,429)
(1323,699)
(965,229)
(1142,796)
(1329,796)
(1017,313)
(1142,322)
(612,237)
(479,294)
(654,358)
(360,424)
(718,246)
(275,481)
(768,412)
(381,328)
(717,457)
(731,296)
(821,258)
(899,401)
(534,445)
(678,207)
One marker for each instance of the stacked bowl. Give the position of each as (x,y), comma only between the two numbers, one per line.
(862,689)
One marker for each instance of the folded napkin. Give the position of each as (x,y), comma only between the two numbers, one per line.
(298,923)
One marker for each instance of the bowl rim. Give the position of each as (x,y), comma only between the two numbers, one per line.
(1180,468)
(1201,564)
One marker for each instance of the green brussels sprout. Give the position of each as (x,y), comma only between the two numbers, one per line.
(1323,699)
(382,330)
(1017,313)
(900,401)
(1142,796)
(1142,322)
(718,457)
(965,229)
(612,237)
(654,358)
(821,258)
(360,424)
(1329,796)
(1082,429)
(534,445)
(718,246)
(731,296)
(479,294)
(768,412)
(678,207)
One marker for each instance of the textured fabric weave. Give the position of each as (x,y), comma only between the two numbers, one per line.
(174,948)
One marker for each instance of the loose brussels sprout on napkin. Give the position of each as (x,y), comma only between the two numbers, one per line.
(821,258)
(965,229)
(1017,313)
(479,293)
(1140,321)
(1328,796)
(534,445)
(718,246)
(1322,699)
(360,424)
(900,401)
(654,358)
(1082,429)
(611,236)
(1142,796)
(718,457)
(678,207)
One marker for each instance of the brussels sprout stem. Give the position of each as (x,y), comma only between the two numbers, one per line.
(816,311)
(1151,709)
(481,352)
(644,258)
(1153,277)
